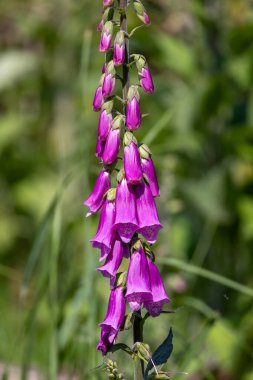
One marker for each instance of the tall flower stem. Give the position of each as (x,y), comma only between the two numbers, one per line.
(137,325)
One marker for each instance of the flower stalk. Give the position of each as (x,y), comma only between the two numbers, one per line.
(129,220)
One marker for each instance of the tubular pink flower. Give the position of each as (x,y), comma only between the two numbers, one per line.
(149,224)
(132,164)
(96,199)
(104,124)
(159,295)
(138,281)
(149,169)
(113,319)
(108,85)
(146,80)
(133,113)
(113,260)
(106,36)
(104,236)
(112,147)
(119,49)
(141,12)
(98,99)
(126,222)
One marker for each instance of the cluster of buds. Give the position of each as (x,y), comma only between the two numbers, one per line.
(129,221)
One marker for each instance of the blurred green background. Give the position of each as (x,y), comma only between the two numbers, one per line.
(200,130)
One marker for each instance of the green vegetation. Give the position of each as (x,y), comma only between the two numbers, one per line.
(200,129)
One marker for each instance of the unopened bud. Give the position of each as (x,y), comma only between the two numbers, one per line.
(111,194)
(118,122)
(108,14)
(129,138)
(141,12)
(145,152)
(108,106)
(106,36)
(120,175)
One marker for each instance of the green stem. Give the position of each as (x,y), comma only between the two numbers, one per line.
(137,326)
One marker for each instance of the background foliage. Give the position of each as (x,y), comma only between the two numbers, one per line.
(200,130)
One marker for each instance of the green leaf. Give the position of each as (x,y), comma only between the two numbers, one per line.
(162,353)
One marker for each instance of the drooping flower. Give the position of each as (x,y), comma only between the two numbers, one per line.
(104,236)
(96,199)
(159,295)
(106,36)
(133,113)
(112,145)
(148,168)
(126,222)
(113,260)
(138,280)
(132,161)
(105,120)
(149,224)
(119,48)
(113,319)
(141,12)
(109,80)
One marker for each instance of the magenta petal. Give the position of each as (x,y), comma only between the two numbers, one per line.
(104,236)
(108,85)
(112,147)
(159,295)
(113,260)
(149,224)
(96,198)
(118,54)
(146,18)
(104,124)
(138,281)
(100,147)
(105,42)
(146,80)
(98,99)
(100,26)
(132,164)
(133,114)
(116,310)
(149,169)
(125,219)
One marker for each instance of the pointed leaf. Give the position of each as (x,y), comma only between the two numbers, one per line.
(162,353)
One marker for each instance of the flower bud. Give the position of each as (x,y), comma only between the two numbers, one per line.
(132,164)
(109,80)
(141,12)
(119,48)
(107,3)
(118,122)
(100,26)
(148,169)
(98,97)
(106,36)
(133,114)
(146,80)
(105,120)
(108,14)
(112,146)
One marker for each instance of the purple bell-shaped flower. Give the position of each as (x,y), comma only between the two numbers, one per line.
(96,199)
(132,161)
(133,113)
(106,36)
(148,169)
